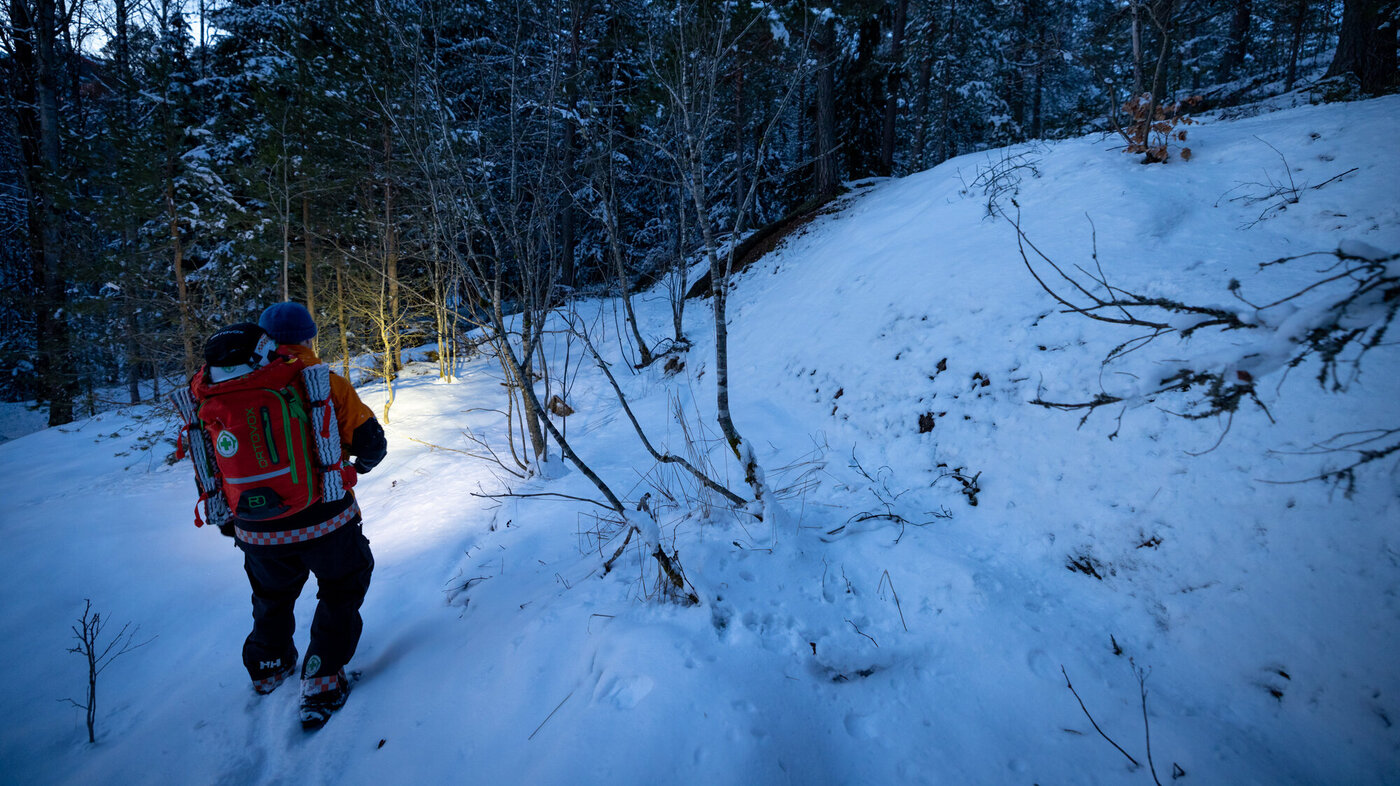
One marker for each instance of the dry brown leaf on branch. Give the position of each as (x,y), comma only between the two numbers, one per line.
(559,407)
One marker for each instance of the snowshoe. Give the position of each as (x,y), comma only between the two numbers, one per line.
(317,708)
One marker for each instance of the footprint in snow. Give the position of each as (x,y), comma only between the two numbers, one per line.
(1041,665)
(627,692)
(862,727)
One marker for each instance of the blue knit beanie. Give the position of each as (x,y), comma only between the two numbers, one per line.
(288,323)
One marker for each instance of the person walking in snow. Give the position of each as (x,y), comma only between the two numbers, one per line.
(280,548)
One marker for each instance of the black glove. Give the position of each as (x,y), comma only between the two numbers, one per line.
(368,446)
(226,529)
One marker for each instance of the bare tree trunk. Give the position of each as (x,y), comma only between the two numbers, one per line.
(569,150)
(719,285)
(1237,45)
(1016,98)
(678,283)
(340,315)
(34,26)
(286,220)
(444,340)
(178,262)
(828,172)
(947,145)
(1037,100)
(1295,45)
(391,261)
(174,134)
(892,84)
(740,185)
(606,185)
(1137,46)
(1033,23)
(1163,15)
(623,280)
(699,91)
(803,145)
(568,242)
(131,352)
(440,305)
(306,255)
(131,346)
(1164,18)
(518,369)
(664,458)
(1366,45)
(666,563)
(921,111)
(386,343)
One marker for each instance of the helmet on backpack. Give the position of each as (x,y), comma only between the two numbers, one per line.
(237,350)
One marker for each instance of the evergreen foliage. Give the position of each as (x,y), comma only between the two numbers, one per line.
(406,166)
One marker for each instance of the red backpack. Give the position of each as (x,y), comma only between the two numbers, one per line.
(262,437)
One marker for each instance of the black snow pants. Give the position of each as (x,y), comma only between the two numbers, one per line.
(342,563)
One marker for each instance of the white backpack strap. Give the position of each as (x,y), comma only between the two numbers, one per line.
(206,474)
(317,380)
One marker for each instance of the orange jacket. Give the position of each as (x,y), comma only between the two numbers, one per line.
(350,411)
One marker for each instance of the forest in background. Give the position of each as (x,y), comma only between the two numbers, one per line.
(415,169)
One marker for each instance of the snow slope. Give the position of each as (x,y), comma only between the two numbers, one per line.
(829,647)
(17,419)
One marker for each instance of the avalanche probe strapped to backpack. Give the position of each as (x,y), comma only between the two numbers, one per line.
(263,437)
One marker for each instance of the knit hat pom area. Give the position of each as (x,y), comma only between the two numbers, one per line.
(288,323)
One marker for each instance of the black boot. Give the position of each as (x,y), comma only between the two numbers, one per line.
(269,674)
(330,695)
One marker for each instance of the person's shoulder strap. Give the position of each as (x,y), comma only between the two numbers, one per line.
(350,411)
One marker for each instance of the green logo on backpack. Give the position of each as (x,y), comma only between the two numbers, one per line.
(227,444)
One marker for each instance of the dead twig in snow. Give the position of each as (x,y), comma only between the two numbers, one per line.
(1070,685)
(546,720)
(900,609)
(863,633)
(1146,727)
(493,458)
(554,495)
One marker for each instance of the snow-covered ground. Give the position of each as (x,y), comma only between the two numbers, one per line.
(18,418)
(1265,615)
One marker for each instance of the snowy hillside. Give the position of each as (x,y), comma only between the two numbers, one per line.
(890,346)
